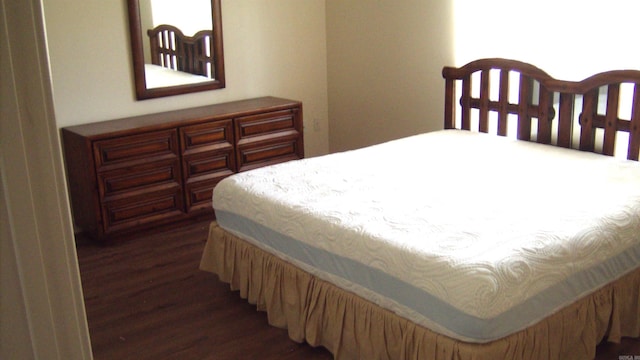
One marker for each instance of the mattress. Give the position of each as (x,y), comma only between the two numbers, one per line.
(470,235)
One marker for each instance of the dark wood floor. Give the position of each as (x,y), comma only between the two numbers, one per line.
(146,299)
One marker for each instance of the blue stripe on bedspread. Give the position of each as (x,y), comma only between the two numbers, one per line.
(436,312)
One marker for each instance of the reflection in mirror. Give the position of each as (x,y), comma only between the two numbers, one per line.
(177,46)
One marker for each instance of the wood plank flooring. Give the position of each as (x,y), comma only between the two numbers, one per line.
(146,299)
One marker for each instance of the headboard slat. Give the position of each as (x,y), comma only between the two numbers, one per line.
(465,102)
(589,108)
(565,115)
(611,121)
(503,100)
(524,119)
(544,117)
(484,101)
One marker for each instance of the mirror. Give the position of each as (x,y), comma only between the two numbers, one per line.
(176,46)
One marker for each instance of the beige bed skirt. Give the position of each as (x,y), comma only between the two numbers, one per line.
(350,327)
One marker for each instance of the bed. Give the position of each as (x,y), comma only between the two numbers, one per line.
(513,233)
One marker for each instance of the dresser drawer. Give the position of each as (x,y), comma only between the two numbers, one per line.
(209,164)
(202,172)
(261,125)
(135,148)
(208,156)
(211,136)
(198,195)
(139,210)
(138,178)
(272,151)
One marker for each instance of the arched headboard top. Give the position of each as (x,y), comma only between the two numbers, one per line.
(600,113)
(552,84)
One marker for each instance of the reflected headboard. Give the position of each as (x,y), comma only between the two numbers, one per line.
(170,48)
(507,97)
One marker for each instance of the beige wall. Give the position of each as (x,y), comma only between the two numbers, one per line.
(384,68)
(41,306)
(274,47)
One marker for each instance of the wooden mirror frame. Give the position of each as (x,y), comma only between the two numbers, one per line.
(136,33)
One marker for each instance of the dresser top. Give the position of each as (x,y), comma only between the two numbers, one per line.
(181,117)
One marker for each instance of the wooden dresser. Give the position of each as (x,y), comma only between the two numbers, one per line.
(132,174)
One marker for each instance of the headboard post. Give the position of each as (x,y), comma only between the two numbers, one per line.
(449,104)
(634,132)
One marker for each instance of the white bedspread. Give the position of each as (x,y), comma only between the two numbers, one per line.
(471,235)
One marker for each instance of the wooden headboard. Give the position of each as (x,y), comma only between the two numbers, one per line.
(599,114)
(172,49)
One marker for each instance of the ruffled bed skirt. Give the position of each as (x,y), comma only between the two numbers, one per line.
(350,327)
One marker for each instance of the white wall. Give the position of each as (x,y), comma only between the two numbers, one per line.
(569,39)
(385,60)
(274,47)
